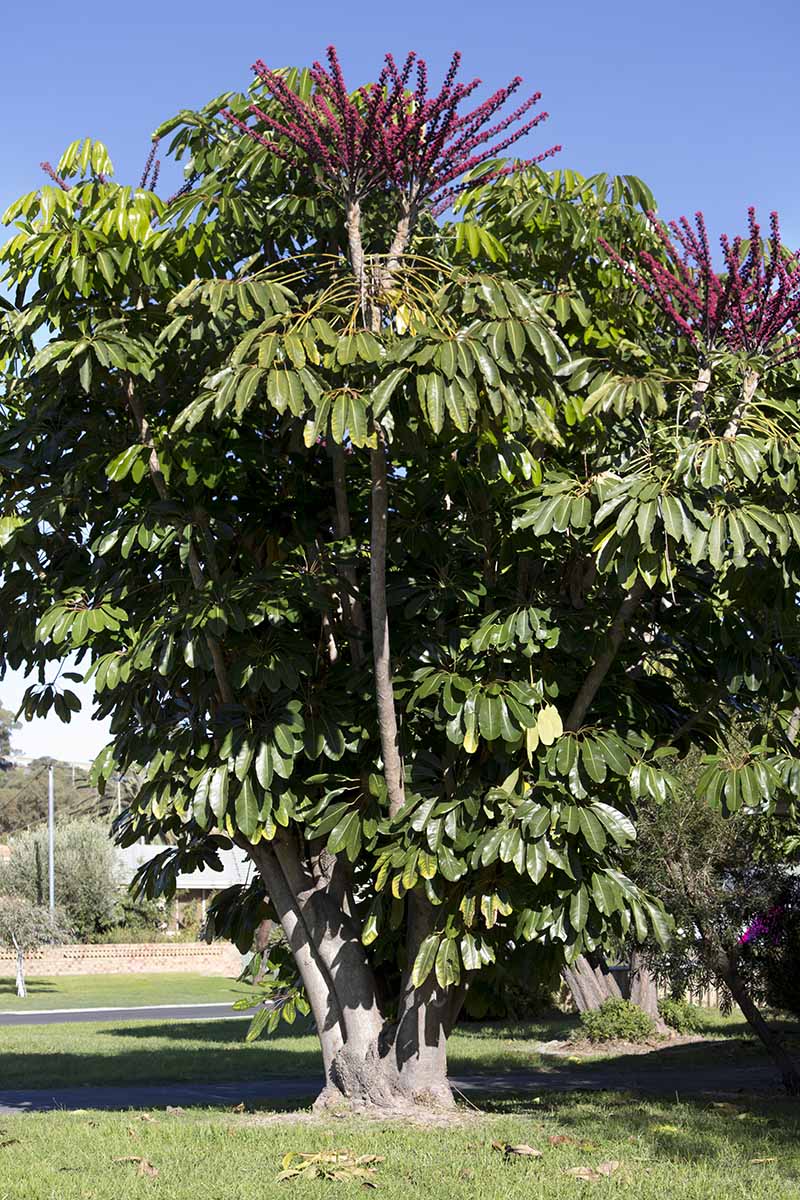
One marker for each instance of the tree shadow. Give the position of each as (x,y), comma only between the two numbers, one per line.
(553,1027)
(154,1053)
(36,987)
(699,1131)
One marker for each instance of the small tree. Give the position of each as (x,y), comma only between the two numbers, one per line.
(86,888)
(25,927)
(723,878)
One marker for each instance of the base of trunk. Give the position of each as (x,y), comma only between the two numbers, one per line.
(373,1082)
(398,1103)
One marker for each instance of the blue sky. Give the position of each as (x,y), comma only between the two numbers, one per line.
(698,98)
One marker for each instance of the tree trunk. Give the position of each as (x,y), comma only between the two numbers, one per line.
(368,1061)
(771,1041)
(22,990)
(749,385)
(643,991)
(590,986)
(699,397)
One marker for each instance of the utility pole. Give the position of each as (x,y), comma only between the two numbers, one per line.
(51,837)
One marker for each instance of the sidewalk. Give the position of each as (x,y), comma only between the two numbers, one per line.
(725,1080)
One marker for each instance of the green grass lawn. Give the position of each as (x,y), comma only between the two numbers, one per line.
(662,1151)
(188,1051)
(98,991)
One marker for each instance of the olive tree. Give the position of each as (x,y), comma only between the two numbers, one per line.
(25,927)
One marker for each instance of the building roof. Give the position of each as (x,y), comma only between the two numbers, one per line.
(236,868)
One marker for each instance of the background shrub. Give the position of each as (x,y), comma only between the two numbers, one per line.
(680,1015)
(617,1020)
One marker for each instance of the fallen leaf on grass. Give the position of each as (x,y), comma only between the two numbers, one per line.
(9,1142)
(608,1168)
(563,1139)
(757,1161)
(665,1129)
(175,1110)
(587,1173)
(594,1174)
(145,1167)
(147,1117)
(340,1165)
(240,1107)
(521,1150)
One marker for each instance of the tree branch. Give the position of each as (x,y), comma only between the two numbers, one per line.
(749,385)
(616,633)
(699,397)
(381,653)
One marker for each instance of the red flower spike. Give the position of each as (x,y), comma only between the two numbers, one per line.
(753,306)
(50,170)
(389,133)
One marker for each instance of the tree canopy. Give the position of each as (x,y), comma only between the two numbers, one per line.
(404,553)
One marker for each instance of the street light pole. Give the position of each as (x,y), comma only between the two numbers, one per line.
(51,837)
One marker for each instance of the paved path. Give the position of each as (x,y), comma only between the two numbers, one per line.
(569,1077)
(145,1012)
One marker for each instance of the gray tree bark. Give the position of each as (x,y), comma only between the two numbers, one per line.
(643,992)
(590,986)
(369,1061)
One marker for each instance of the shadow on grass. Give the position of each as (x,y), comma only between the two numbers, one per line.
(8,987)
(554,1026)
(697,1131)
(145,1053)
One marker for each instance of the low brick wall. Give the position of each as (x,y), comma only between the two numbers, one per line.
(134,958)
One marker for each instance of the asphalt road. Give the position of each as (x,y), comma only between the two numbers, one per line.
(158,1012)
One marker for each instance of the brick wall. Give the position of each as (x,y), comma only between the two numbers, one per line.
(135,958)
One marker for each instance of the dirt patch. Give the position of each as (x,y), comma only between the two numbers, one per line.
(582,1048)
(425,1119)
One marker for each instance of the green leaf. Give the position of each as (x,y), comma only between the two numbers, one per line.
(593,760)
(579,908)
(536,861)
(617,824)
(592,830)
(448,963)
(119,467)
(218,791)
(382,394)
(246,809)
(434,394)
(426,959)
(264,765)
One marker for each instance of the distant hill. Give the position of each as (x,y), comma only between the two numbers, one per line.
(23,792)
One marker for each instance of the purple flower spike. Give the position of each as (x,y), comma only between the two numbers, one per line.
(752,306)
(392,133)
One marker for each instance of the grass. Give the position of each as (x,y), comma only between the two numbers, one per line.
(115,991)
(145,1051)
(664,1151)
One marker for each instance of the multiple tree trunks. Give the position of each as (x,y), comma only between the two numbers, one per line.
(591,985)
(369,1060)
